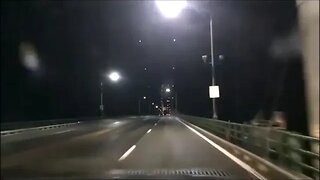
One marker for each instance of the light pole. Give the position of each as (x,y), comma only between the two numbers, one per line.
(168,91)
(113,77)
(172,9)
(176,102)
(215,116)
(139,104)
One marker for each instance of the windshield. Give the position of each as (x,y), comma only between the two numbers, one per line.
(158,88)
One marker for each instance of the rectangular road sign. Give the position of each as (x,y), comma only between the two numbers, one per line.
(214,92)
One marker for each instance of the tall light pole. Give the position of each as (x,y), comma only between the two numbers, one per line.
(176,102)
(101,100)
(139,103)
(172,9)
(215,116)
(113,77)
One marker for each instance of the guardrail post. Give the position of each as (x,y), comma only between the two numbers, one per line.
(266,144)
(294,156)
(278,146)
(282,146)
(228,131)
(315,149)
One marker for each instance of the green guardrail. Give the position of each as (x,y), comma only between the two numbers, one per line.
(283,148)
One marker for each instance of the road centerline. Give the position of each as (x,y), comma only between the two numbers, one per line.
(132,147)
(126,154)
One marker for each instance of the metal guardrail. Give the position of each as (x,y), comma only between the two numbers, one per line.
(286,149)
(17,131)
(31,124)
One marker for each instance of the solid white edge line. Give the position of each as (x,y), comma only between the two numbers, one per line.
(126,154)
(225,152)
(149,131)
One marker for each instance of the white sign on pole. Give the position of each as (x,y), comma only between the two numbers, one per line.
(214,92)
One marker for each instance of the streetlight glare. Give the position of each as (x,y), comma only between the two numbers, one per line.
(168,90)
(171,9)
(114,76)
(144,97)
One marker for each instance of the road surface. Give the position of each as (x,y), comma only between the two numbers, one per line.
(92,149)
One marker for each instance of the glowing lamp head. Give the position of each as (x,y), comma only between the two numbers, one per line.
(171,8)
(114,76)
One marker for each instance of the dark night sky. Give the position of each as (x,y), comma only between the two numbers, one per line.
(78,41)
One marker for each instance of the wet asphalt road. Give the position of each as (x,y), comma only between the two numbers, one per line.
(91,149)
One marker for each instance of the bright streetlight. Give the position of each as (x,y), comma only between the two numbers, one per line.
(152,103)
(114,76)
(156,107)
(168,90)
(170,8)
(144,97)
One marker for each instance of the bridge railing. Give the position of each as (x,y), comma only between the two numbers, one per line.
(30,124)
(283,148)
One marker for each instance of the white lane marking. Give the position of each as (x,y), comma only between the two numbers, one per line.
(149,131)
(225,152)
(127,153)
(60,132)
